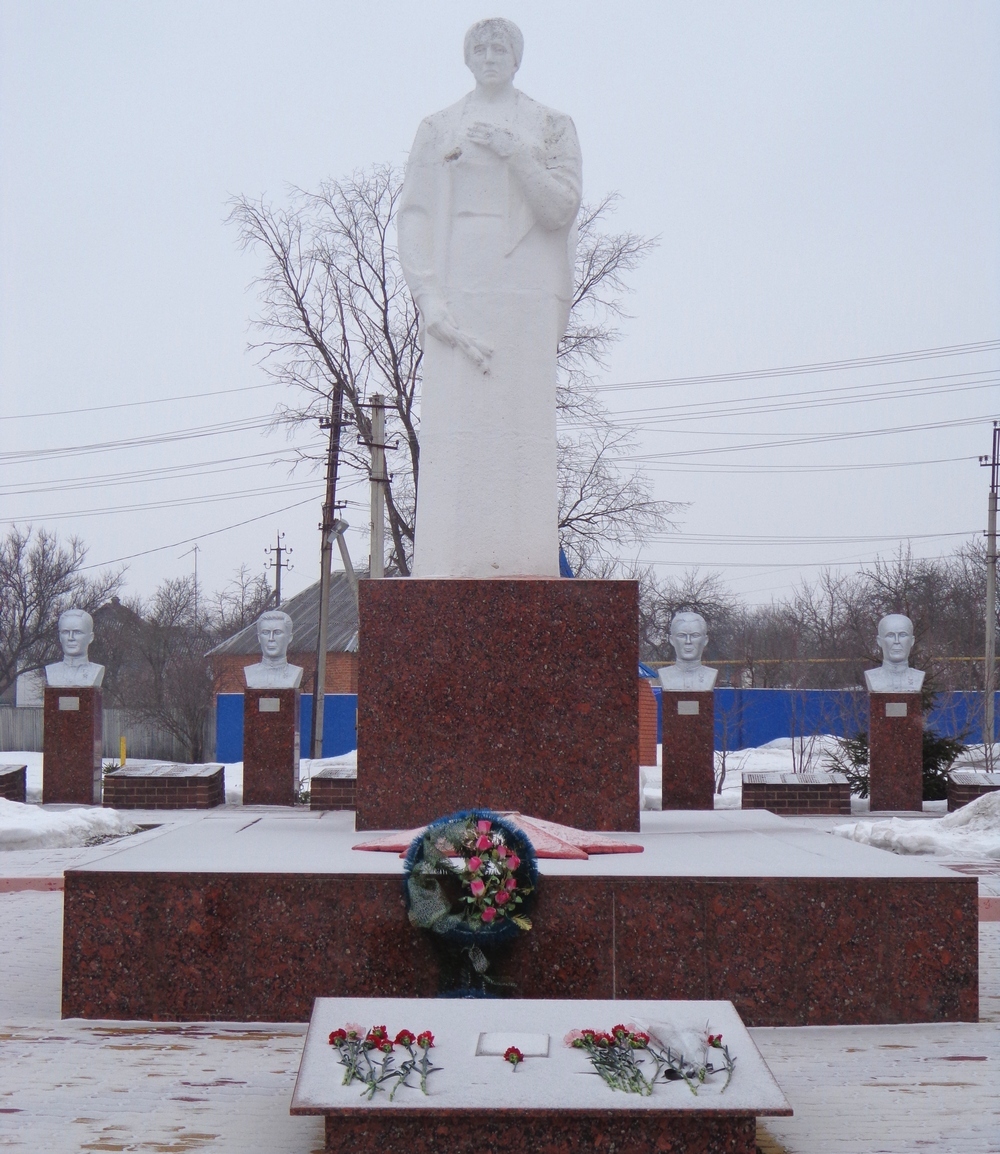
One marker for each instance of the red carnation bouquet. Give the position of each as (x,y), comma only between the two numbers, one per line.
(368,1056)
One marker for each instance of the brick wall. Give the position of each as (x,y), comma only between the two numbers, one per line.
(962,792)
(13,779)
(174,792)
(331,793)
(647,723)
(781,798)
(341,671)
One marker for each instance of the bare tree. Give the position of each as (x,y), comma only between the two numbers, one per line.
(39,578)
(335,310)
(170,682)
(239,603)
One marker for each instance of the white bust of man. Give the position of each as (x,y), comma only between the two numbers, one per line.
(688,636)
(76,670)
(274,632)
(895,639)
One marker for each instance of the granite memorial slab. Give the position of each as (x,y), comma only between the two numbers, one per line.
(72,745)
(270,746)
(476,1101)
(688,725)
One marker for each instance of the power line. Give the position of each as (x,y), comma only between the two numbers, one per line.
(134,404)
(817,367)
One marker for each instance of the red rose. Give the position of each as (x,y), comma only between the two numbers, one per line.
(483,842)
(510,884)
(484,826)
(502,898)
(513,862)
(502,851)
(488,914)
(425,1040)
(474,864)
(478,887)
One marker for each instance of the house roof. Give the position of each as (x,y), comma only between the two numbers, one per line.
(303,608)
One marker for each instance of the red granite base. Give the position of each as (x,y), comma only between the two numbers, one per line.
(510,694)
(72,743)
(965,785)
(896,752)
(14,782)
(688,750)
(165,787)
(506,1131)
(786,951)
(802,793)
(270,746)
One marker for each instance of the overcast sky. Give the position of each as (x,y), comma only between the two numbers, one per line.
(824,179)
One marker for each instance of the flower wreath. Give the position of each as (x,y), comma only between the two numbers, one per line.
(484,897)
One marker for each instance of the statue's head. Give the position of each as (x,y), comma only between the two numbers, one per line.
(688,635)
(274,632)
(493,51)
(895,637)
(76,632)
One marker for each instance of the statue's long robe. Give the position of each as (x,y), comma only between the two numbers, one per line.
(495,241)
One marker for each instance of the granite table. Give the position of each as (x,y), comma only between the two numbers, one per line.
(553,1101)
(250,916)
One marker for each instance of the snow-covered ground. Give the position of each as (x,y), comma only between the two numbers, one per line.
(32,827)
(972,832)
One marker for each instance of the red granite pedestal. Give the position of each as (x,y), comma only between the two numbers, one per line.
(270,746)
(72,743)
(13,782)
(688,749)
(895,738)
(515,694)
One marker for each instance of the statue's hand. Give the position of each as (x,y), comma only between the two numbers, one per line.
(498,140)
(439,322)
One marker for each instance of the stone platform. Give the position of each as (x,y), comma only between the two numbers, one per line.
(250,917)
(145,784)
(965,785)
(510,694)
(14,782)
(476,1102)
(797,793)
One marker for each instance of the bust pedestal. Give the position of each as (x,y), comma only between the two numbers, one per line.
(72,743)
(896,741)
(270,746)
(508,693)
(688,749)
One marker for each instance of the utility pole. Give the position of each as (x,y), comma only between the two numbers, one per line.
(334,424)
(277,565)
(990,671)
(195,549)
(378,478)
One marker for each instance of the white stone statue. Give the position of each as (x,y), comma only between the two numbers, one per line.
(895,639)
(274,632)
(76,670)
(688,636)
(487,240)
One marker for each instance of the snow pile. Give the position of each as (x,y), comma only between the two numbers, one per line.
(971,832)
(30,827)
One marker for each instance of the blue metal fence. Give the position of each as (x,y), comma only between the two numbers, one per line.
(340,724)
(745,718)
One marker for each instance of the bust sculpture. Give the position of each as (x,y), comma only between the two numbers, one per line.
(688,636)
(76,670)
(274,632)
(895,639)
(487,240)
